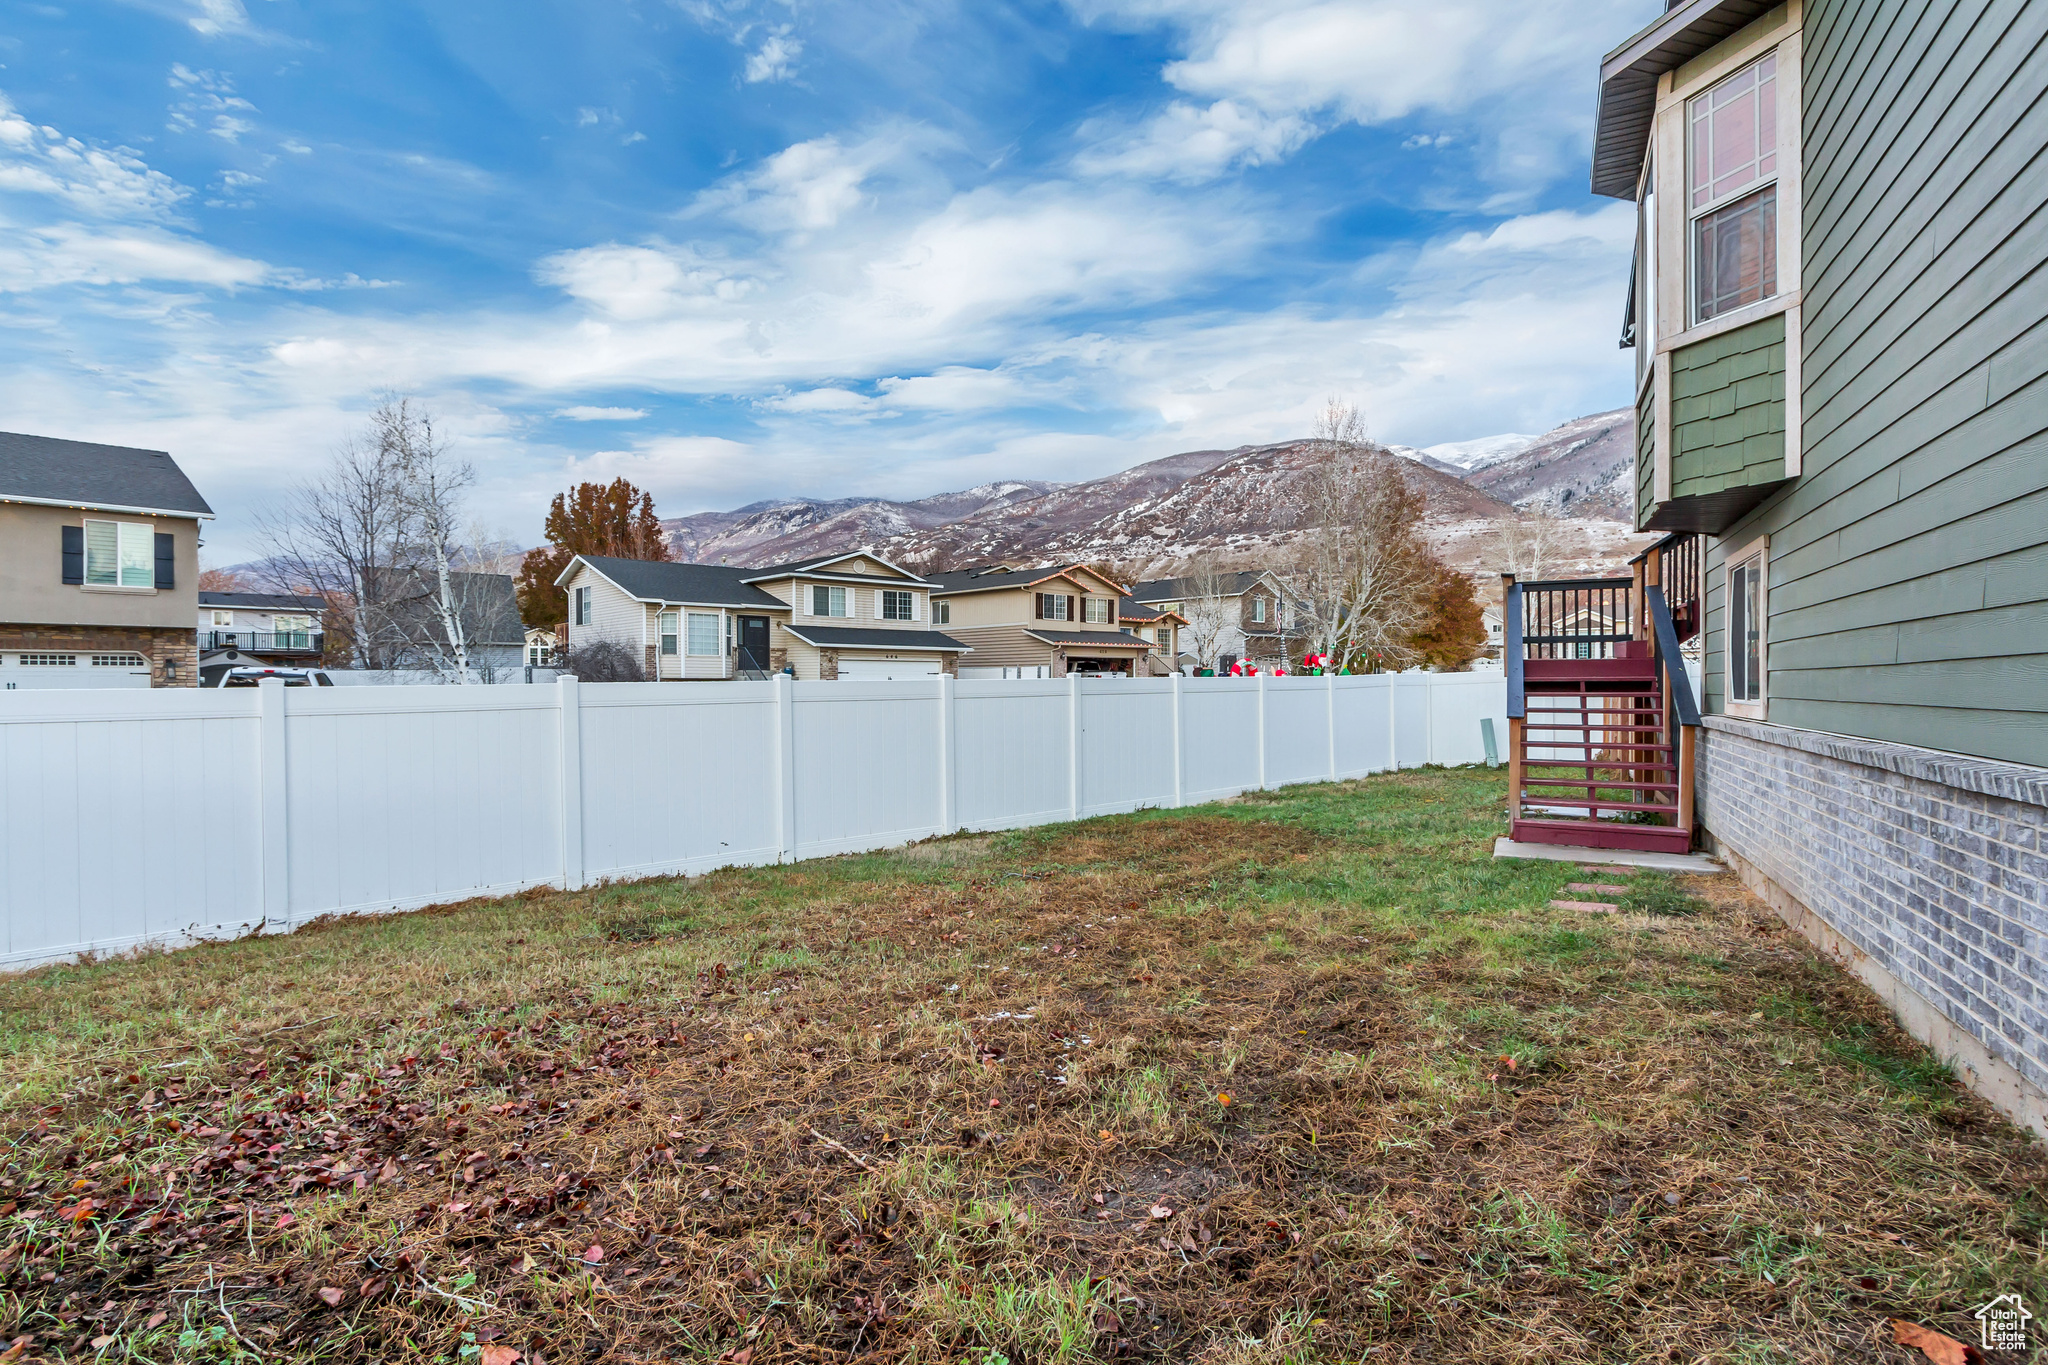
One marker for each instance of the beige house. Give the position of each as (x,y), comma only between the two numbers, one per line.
(99,566)
(1043,622)
(1249,614)
(851,616)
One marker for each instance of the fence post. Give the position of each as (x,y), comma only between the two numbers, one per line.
(1073,746)
(949,792)
(1330,716)
(1260,680)
(1393,722)
(1429,718)
(275,789)
(569,712)
(1180,776)
(785,768)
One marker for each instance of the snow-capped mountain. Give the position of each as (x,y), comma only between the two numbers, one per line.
(1480,452)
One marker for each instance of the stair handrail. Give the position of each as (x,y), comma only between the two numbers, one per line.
(1668,658)
(1511,649)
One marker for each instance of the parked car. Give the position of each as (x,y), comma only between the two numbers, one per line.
(293,677)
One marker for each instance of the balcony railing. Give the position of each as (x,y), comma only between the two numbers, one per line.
(263,641)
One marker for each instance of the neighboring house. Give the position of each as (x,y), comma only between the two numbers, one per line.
(243,629)
(1043,622)
(408,632)
(1161,627)
(1251,611)
(1839,311)
(849,616)
(99,566)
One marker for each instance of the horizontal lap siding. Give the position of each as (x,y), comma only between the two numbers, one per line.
(1909,564)
(1646,452)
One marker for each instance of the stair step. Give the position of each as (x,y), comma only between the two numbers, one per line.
(1599,763)
(1595,804)
(1601,834)
(1600,744)
(1616,785)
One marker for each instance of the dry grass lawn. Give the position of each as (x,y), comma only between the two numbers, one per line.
(1306,1077)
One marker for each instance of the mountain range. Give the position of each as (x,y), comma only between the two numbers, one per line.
(1240,502)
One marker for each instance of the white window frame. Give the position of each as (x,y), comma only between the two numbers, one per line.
(713,632)
(1258,611)
(942,613)
(1096,611)
(890,596)
(126,535)
(583,605)
(837,600)
(222,619)
(1759,551)
(1695,212)
(668,627)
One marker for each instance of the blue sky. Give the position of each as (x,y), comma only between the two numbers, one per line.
(743,248)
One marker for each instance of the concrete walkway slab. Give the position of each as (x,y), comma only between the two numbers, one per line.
(1617,857)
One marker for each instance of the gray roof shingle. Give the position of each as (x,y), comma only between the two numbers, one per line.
(1179,589)
(697,585)
(855,637)
(1114,639)
(263,601)
(82,474)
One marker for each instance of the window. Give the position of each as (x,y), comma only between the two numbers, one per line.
(827,601)
(223,620)
(1747,604)
(1173,607)
(583,606)
(668,633)
(48,660)
(942,613)
(293,631)
(1259,610)
(1095,610)
(704,631)
(1055,606)
(119,661)
(537,655)
(120,554)
(1166,637)
(1731,194)
(897,606)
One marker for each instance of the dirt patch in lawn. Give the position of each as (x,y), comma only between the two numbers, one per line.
(1301,1081)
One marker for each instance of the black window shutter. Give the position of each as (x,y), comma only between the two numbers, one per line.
(166,560)
(74,554)
(1038,598)
(1070,607)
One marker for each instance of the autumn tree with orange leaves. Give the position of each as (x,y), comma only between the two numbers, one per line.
(613,519)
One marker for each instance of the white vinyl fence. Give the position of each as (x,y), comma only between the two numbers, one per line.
(165,816)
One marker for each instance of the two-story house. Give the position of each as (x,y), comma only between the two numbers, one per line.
(99,566)
(1042,622)
(1839,312)
(848,616)
(243,629)
(1228,617)
(1160,625)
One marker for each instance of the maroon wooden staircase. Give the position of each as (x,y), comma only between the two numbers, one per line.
(1601,716)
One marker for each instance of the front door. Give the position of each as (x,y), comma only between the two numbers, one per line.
(753,642)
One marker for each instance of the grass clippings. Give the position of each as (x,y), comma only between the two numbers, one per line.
(1306,1078)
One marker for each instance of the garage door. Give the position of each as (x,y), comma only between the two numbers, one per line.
(40,672)
(886,670)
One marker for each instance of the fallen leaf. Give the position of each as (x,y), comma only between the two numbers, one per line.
(285,1220)
(1224,1099)
(1161,1211)
(500,1355)
(1932,1344)
(593,1253)
(102,1343)
(330,1296)
(156,1320)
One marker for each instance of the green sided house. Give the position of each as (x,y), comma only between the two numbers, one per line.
(1839,313)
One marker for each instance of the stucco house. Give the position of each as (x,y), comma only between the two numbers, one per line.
(851,615)
(1249,611)
(99,566)
(1839,313)
(1041,622)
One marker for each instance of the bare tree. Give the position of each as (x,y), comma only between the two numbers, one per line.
(1528,542)
(1210,611)
(430,486)
(1361,567)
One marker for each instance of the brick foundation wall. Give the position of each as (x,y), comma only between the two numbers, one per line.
(828,665)
(1927,873)
(158,644)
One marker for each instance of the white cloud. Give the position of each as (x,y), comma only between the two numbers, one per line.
(208,96)
(296,148)
(811,185)
(68,253)
(589,414)
(99,182)
(775,59)
(1192,143)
